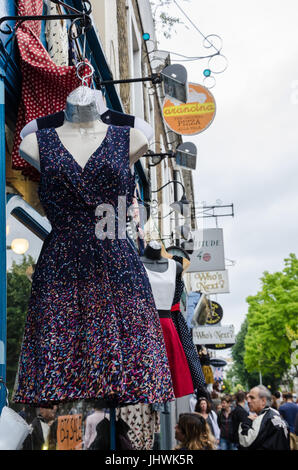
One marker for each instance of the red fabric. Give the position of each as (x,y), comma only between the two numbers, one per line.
(181,377)
(176,307)
(45,86)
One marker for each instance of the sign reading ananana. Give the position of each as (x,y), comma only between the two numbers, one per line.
(192,117)
(214,335)
(69,432)
(210,282)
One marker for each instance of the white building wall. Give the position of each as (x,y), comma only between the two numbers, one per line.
(104,13)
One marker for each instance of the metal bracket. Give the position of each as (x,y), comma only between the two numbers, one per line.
(83,20)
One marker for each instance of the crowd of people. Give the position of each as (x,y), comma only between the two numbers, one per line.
(254,420)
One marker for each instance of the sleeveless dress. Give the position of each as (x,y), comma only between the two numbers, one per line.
(92,329)
(163,286)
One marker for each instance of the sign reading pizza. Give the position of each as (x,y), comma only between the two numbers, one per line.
(192,117)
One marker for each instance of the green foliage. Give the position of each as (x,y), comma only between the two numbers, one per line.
(163,20)
(18,293)
(272,322)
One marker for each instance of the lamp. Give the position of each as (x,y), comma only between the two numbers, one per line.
(19,246)
(181,206)
(175,82)
(173,77)
(185,155)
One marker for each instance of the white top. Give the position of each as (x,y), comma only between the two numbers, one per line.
(163,285)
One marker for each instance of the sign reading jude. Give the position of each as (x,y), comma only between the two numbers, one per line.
(208,254)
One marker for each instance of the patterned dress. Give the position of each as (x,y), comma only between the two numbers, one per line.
(92,329)
(184,333)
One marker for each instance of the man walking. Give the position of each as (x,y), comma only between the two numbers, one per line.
(289,411)
(42,425)
(238,415)
(264,428)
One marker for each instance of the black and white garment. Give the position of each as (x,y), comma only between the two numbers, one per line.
(267,432)
(185,337)
(57,36)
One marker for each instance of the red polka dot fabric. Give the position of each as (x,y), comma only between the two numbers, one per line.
(45,86)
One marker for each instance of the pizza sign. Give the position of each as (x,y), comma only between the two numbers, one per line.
(193,117)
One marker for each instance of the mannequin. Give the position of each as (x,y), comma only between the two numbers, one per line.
(108,116)
(82,132)
(153,260)
(162,273)
(87,290)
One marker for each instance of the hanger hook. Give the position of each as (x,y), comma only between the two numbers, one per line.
(84,78)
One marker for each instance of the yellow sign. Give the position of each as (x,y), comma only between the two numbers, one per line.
(69,432)
(192,117)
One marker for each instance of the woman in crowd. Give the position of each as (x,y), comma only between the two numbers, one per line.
(193,433)
(203,407)
(226,425)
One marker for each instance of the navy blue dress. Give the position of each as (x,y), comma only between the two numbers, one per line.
(92,329)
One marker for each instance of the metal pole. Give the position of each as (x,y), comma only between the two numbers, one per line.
(175,175)
(260,376)
(112,428)
(2,247)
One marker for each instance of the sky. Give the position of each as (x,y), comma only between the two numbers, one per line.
(248,156)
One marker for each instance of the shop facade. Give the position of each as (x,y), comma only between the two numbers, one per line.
(116,50)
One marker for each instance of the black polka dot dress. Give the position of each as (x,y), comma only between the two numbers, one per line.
(185,334)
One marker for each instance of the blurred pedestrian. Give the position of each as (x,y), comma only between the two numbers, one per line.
(203,407)
(278,397)
(238,415)
(193,433)
(289,411)
(225,424)
(44,427)
(264,428)
(91,422)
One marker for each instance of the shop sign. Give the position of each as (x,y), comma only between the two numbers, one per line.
(192,117)
(221,346)
(215,313)
(208,254)
(217,362)
(214,335)
(69,432)
(210,282)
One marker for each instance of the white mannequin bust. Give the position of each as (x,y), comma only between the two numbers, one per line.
(82,132)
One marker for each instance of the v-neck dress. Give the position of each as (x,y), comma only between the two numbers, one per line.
(92,329)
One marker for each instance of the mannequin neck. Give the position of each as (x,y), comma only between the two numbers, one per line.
(152,253)
(77,113)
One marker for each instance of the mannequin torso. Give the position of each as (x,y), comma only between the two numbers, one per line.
(153,260)
(81,139)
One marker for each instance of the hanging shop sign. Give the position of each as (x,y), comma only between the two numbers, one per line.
(208,254)
(212,335)
(215,313)
(217,362)
(69,432)
(210,282)
(221,346)
(193,117)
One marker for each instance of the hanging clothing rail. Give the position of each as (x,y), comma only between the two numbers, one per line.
(85,24)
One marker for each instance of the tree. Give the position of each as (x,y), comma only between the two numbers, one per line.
(272,322)
(163,20)
(18,293)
